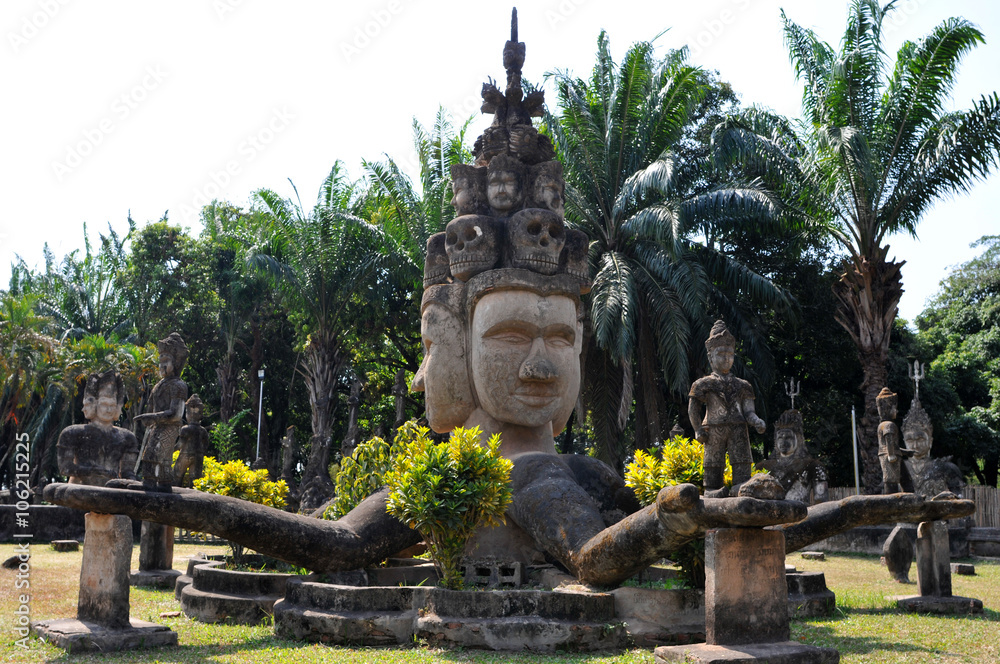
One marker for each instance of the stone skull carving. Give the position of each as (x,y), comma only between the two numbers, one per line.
(536,239)
(472,244)
(574,260)
(436,267)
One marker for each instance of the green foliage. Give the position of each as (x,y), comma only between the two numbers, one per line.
(363,473)
(447,490)
(236,479)
(223,436)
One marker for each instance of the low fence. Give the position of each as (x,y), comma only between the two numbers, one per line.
(182,536)
(987,499)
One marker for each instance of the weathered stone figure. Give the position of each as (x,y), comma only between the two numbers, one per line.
(547,187)
(193,442)
(801,475)
(98,451)
(929,476)
(888,441)
(163,422)
(720,408)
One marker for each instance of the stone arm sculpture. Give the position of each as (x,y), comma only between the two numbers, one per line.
(751,416)
(173,414)
(696,413)
(603,557)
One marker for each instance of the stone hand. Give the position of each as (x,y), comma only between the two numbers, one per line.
(758,424)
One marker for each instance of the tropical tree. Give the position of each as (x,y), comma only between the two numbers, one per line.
(81,294)
(656,286)
(321,262)
(875,149)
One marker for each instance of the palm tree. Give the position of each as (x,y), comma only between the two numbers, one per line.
(656,288)
(875,149)
(320,262)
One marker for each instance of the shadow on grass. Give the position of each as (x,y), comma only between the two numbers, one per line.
(819,635)
(191,654)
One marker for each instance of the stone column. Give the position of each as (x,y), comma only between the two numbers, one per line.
(746,604)
(156,547)
(104,574)
(934,575)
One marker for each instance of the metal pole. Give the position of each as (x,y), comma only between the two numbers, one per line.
(854,444)
(260,411)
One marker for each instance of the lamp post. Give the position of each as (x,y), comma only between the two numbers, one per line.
(260,407)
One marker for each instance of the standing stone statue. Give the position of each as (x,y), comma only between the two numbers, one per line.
(193,443)
(800,474)
(888,441)
(720,408)
(163,422)
(928,476)
(98,451)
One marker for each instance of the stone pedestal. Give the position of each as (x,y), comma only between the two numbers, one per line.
(934,575)
(156,557)
(746,604)
(104,573)
(102,620)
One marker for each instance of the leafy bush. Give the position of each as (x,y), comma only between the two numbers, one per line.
(363,473)
(236,479)
(223,436)
(445,491)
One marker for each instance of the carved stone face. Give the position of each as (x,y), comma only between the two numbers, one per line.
(166,365)
(786,442)
(547,191)
(443,375)
(536,240)
(193,413)
(504,191)
(89,406)
(108,409)
(436,268)
(721,359)
(471,243)
(525,356)
(919,440)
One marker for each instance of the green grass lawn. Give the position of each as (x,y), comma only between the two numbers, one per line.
(866,628)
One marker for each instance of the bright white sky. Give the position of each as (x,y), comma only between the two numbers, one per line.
(118,105)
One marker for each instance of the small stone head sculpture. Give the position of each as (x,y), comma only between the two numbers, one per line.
(193,409)
(103,398)
(436,265)
(536,237)
(918,433)
(173,355)
(472,243)
(574,260)
(886,404)
(547,187)
(468,186)
(789,434)
(505,184)
(721,347)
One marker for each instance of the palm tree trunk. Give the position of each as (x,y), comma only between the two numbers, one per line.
(322,365)
(228,374)
(868,296)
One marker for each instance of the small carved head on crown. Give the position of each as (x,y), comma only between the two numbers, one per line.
(505,184)
(468,186)
(886,404)
(546,186)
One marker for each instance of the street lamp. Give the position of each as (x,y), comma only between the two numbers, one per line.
(260,407)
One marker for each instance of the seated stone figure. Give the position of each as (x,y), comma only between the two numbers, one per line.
(98,451)
(802,476)
(927,476)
